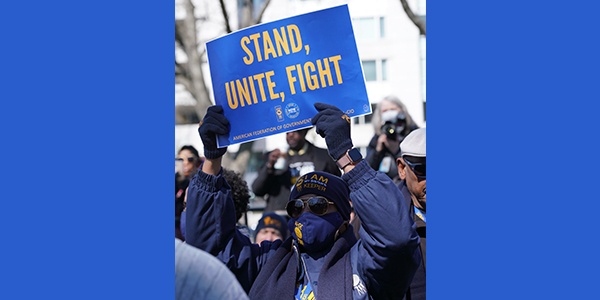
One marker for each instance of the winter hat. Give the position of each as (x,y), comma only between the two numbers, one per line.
(414,143)
(327,185)
(272,220)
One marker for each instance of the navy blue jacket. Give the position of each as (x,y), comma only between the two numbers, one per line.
(384,260)
(417,289)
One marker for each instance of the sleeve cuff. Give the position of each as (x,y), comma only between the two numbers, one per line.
(211,183)
(359,176)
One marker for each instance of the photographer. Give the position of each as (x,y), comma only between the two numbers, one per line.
(392,124)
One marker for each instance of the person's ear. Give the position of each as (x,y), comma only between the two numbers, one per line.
(401,168)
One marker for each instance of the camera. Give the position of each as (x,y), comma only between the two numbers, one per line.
(394,124)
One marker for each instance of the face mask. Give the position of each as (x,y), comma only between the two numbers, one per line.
(315,233)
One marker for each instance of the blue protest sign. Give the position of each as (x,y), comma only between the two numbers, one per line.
(267,77)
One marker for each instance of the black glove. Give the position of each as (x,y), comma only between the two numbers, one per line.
(214,123)
(334,125)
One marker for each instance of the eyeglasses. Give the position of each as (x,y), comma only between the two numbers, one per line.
(417,168)
(317,205)
(189,159)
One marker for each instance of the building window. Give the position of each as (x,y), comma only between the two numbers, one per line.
(375,70)
(370,70)
(363,28)
(369,28)
(384,69)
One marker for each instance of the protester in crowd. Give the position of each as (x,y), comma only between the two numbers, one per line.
(187,162)
(392,123)
(199,275)
(241,199)
(322,259)
(270,227)
(280,171)
(411,167)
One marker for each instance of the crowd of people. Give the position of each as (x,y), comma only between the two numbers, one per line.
(335,225)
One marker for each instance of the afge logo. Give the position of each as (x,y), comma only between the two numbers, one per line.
(292,110)
(279,113)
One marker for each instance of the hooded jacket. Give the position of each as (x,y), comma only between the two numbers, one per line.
(382,262)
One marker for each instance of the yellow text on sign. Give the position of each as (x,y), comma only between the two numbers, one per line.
(245,91)
(309,75)
(284,40)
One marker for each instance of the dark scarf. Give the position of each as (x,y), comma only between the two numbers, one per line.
(277,278)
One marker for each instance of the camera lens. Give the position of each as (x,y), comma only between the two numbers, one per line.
(390,130)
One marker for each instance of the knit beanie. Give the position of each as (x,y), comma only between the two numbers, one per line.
(327,185)
(272,220)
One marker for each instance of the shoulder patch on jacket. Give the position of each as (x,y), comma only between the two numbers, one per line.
(358,285)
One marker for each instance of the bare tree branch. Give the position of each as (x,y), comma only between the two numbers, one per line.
(183,81)
(262,12)
(195,75)
(415,19)
(180,69)
(225,16)
(187,32)
(190,74)
(178,36)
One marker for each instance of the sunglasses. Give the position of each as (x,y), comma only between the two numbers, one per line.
(417,168)
(189,159)
(317,205)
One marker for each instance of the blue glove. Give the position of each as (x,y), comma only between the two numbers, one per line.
(214,123)
(334,125)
